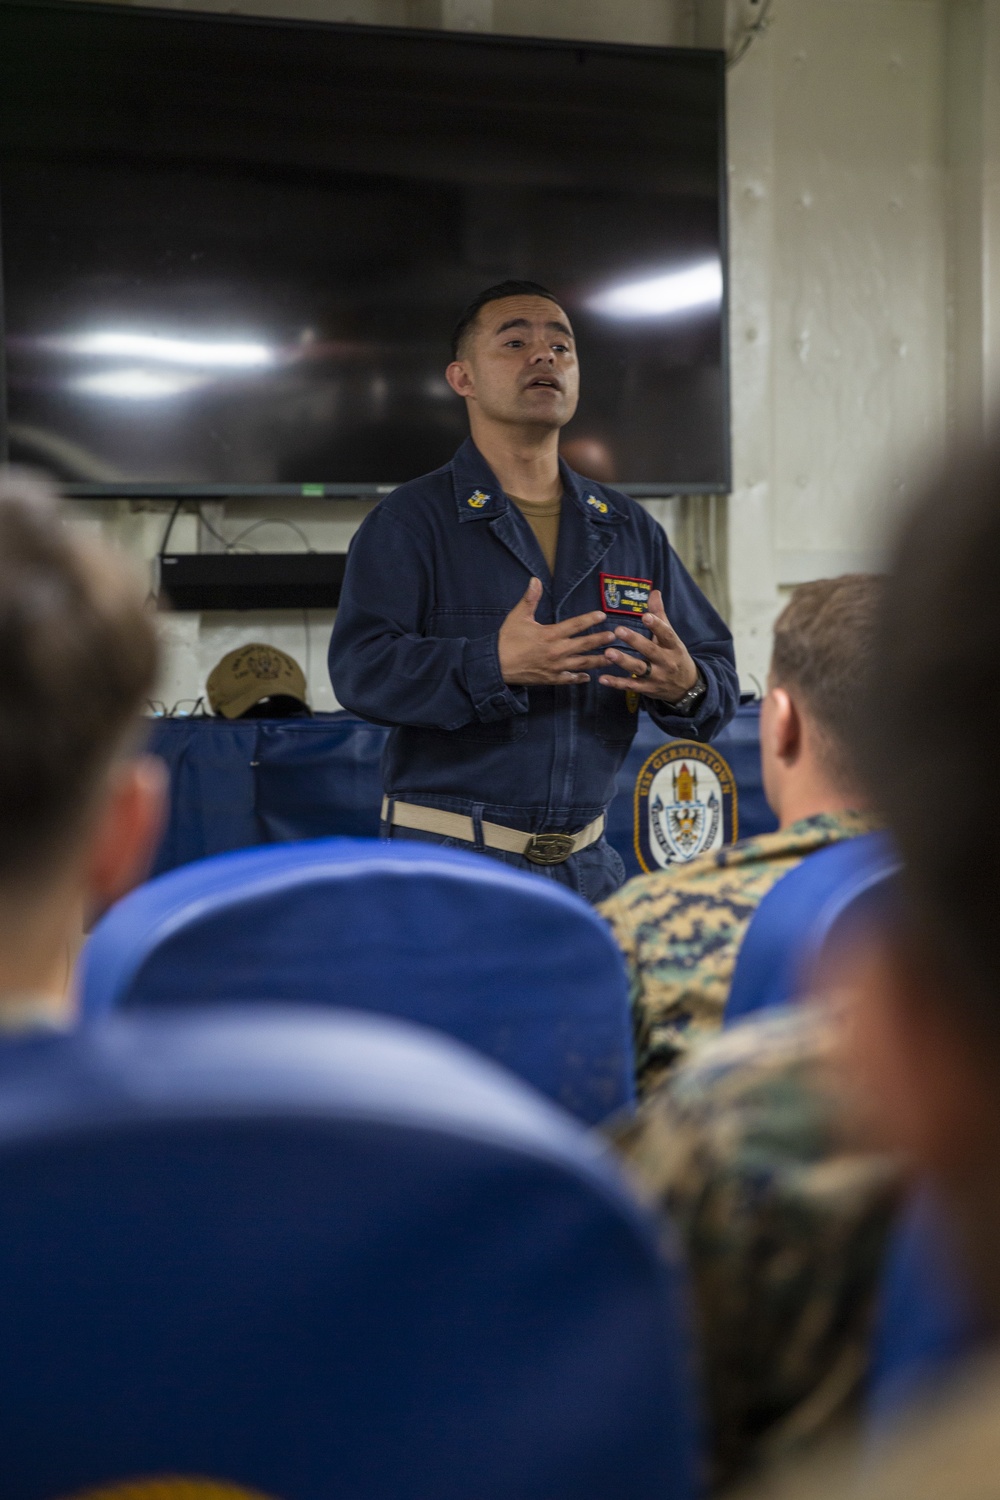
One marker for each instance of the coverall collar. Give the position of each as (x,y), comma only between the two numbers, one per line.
(480,497)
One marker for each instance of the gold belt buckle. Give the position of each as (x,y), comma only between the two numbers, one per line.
(549,848)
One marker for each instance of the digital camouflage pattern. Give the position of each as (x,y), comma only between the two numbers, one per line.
(784,1222)
(680,931)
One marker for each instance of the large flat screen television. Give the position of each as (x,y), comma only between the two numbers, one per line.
(233,250)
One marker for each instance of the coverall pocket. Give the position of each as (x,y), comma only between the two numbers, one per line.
(469,620)
(614,721)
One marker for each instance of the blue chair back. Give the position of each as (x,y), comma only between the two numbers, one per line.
(927,1322)
(514,965)
(798,915)
(321,1254)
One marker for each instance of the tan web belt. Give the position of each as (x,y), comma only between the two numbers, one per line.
(540,848)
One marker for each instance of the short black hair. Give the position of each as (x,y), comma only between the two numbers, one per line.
(495,294)
(928,727)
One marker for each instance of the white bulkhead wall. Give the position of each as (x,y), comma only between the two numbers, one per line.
(865,295)
(839,296)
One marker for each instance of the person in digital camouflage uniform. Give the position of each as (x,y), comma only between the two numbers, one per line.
(784,1221)
(921,991)
(680,929)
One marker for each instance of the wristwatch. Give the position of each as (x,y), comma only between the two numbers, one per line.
(693,695)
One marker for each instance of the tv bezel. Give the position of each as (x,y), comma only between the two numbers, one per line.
(333,491)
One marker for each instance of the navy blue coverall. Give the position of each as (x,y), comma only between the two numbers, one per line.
(431,575)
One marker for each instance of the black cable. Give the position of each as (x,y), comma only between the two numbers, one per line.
(170,527)
(754,30)
(227,544)
(274,521)
(232,542)
(156,592)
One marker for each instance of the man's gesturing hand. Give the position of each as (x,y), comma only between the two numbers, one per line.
(672,672)
(532,655)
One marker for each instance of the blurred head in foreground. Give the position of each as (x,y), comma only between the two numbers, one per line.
(80,807)
(823,641)
(925,1025)
(591,457)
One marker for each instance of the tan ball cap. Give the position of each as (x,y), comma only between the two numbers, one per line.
(244,676)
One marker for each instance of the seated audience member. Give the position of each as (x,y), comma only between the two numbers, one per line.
(680,929)
(923,994)
(80,808)
(918,1042)
(784,1213)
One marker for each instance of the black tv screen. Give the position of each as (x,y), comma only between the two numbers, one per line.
(233,250)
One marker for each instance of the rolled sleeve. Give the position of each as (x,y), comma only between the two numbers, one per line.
(492,698)
(713,710)
(708,639)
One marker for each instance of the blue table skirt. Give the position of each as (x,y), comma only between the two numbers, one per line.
(261,781)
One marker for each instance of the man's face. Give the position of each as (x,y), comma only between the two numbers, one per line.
(519,363)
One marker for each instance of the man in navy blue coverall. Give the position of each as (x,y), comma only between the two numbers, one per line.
(512,683)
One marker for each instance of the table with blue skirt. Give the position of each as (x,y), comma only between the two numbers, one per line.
(261,781)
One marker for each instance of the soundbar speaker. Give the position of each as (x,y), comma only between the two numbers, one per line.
(251,580)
